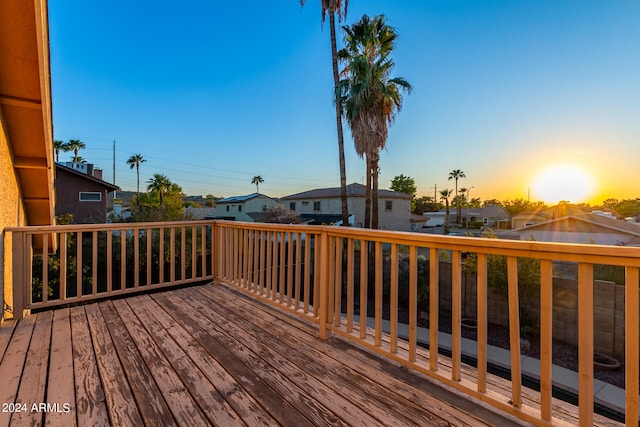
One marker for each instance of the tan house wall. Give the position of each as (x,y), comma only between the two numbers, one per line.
(11,214)
(399,218)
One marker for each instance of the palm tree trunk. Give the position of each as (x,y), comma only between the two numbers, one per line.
(374,187)
(367,196)
(446,218)
(336,80)
(138,188)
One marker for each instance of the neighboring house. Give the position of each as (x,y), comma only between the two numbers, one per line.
(82,195)
(26,134)
(490,216)
(243,208)
(394,209)
(537,216)
(585,228)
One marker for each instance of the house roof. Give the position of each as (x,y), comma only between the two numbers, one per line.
(557,211)
(25,101)
(353,190)
(110,187)
(242,199)
(591,219)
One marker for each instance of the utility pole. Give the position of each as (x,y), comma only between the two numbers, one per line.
(435,194)
(115,195)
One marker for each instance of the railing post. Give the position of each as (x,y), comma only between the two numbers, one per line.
(324,278)
(214,253)
(20,274)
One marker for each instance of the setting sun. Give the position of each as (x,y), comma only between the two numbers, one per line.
(563,182)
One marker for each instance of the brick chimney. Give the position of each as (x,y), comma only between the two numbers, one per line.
(97,173)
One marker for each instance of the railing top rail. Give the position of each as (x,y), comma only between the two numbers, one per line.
(105,227)
(598,254)
(618,255)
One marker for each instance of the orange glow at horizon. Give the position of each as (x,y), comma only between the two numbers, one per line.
(564,182)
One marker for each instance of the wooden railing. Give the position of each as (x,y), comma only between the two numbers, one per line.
(342,278)
(349,275)
(76,263)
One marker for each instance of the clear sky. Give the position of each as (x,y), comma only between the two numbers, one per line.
(212,93)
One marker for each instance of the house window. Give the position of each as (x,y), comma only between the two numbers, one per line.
(86,196)
(264,208)
(316,206)
(292,206)
(227,208)
(239,208)
(388,205)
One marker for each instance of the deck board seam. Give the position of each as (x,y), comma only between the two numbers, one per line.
(348,390)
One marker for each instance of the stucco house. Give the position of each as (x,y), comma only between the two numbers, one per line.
(490,216)
(80,191)
(26,132)
(587,228)
(244,208)
(394,208)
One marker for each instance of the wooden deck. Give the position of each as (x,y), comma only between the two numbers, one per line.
(205,355)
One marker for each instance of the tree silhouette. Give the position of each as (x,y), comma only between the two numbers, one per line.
(257,180)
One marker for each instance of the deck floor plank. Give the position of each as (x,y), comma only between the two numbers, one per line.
(12,365)
(352,399)
(120,402)
(245,405)
(33,392)
(6,331)
(223,357)
(60,390)
(90,408)
(282,371)
(152,406)
(217,410)
(184,409)
(369,387)
(282,410)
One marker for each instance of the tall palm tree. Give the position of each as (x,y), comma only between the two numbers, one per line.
(136,160)
(257,180)
(58,146)
(160,184)
(457,174)
(339,7)
(370,97)
(75,145)
(444,196)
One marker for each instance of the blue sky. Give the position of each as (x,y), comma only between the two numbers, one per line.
(213,93)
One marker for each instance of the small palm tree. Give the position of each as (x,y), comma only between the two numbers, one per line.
(444,196)
(136,160)
(456,174)
(75,145)
(78,159)
(160,184)
(58,146)
(257,180)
